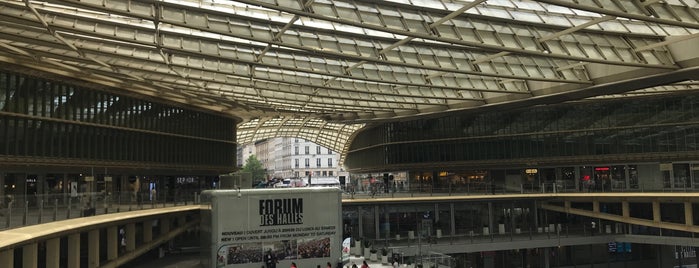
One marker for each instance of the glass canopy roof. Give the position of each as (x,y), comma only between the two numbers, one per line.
(322,69)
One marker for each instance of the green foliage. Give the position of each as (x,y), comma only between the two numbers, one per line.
(367,243)
(254,167)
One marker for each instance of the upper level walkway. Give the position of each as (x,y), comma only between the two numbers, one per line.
(59,228)
(623,217)
(20,211)
(122,236)
(24,211)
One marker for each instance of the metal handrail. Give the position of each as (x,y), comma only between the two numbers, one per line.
(23,210)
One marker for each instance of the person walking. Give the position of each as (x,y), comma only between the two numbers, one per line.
(270,260)
(122,240)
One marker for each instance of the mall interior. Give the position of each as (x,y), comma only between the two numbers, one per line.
(549,133)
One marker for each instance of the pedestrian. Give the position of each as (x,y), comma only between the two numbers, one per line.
(293,265)
(354,265)
(591,186)
(270,260)
(122,242)
(328,265)
(364,264)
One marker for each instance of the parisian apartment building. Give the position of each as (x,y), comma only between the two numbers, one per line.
(289,158)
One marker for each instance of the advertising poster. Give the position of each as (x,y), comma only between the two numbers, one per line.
(293,225)
(346,245)
(73,189)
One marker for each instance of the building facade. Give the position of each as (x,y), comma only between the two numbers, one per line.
(62,138)
(243,153)
(626,144)
(286,158)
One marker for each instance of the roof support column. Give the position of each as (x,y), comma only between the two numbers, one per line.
(130,237)
(625,209)
(30,256)
(376,222)
(688,217)
(452,219)
(164,226)
(7,258)
(93,248)
(181,220)
(53,253)
(360,223)
(656,211)
(2,193)
(74,250)
(112,243)
(147,231)
(491,219)
(595,206)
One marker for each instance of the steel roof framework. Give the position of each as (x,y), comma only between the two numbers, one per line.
(322,69)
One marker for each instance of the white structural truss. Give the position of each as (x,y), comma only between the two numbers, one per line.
(322,69)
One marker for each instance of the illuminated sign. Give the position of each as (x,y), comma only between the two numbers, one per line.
(531,171)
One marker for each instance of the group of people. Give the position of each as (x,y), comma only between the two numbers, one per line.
(395,264)
(364,265)
(271,262)
(243,255)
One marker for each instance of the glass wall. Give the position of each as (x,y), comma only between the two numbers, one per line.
(585,178)
(431,222)
(51,119)
(627,129)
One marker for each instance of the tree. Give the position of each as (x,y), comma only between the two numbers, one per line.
(254,167)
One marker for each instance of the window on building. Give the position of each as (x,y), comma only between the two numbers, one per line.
(330,162)
(317,149)
(296,162)
(330,173)
(325,173)
(307,150)
(296,150)
(308,162)
(330,151)
(317,162)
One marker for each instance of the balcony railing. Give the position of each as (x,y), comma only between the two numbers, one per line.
(23,210)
